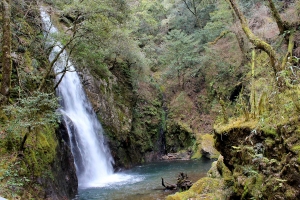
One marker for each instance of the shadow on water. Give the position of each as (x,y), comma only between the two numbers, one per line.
(145,181)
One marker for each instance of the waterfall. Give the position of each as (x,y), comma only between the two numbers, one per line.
(93,160)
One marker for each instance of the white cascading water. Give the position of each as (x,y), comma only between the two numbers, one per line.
(93,160)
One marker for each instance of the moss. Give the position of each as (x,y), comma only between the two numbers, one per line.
(207,145)
(290,194)
(3,117)
(213,171)
(179,136)
(296,149)
(235,123)
(270,131)
(205,188)
(224,171)
(28,61)
(37,159)
(254,185)
(197,154)
(269,142)
(102,89)
(121,115)
(216,186)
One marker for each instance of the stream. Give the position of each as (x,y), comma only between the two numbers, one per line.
(143,182)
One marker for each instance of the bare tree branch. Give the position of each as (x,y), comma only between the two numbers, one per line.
(256,41)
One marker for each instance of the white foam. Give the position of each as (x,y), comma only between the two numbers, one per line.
(114,180)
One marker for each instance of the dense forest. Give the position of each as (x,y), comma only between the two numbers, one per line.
(166,78)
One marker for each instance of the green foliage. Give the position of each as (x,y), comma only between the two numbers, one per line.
(246,5)
(296,149)
(30,129)
(20,172)
(11,179)
(56,2)
(220,20)
(32,112)
(190,15)
(103,39)
(180,53)
(147,16)
(298,7)
(249,171)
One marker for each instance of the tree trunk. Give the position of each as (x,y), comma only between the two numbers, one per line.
(256,41)
(253,95)
(22,146)
(194,11)
(291,44)
(240,40)
(6,50)
(51,65)
(282,26)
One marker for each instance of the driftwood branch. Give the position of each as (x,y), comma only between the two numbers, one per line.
(182,183)
(168,186)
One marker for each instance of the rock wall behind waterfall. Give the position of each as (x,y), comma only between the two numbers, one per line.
(64,184)
(112,100)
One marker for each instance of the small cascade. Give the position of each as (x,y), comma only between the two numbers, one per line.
(92,157)
(163,128)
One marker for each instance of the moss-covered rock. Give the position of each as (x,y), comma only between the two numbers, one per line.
(264,165)
(217,185)
(207,146)
(206,188)
(179,136)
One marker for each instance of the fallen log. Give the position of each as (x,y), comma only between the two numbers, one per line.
(182,183)
(168,186)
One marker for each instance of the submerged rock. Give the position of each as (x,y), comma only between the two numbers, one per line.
(183,155)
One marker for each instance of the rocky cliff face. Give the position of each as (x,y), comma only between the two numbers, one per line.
(64,184)
(134,122)
(112,101)
(140,123)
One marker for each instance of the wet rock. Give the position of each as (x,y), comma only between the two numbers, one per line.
(112,101)
(64,184)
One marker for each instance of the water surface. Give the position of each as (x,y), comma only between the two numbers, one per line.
(143,182)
